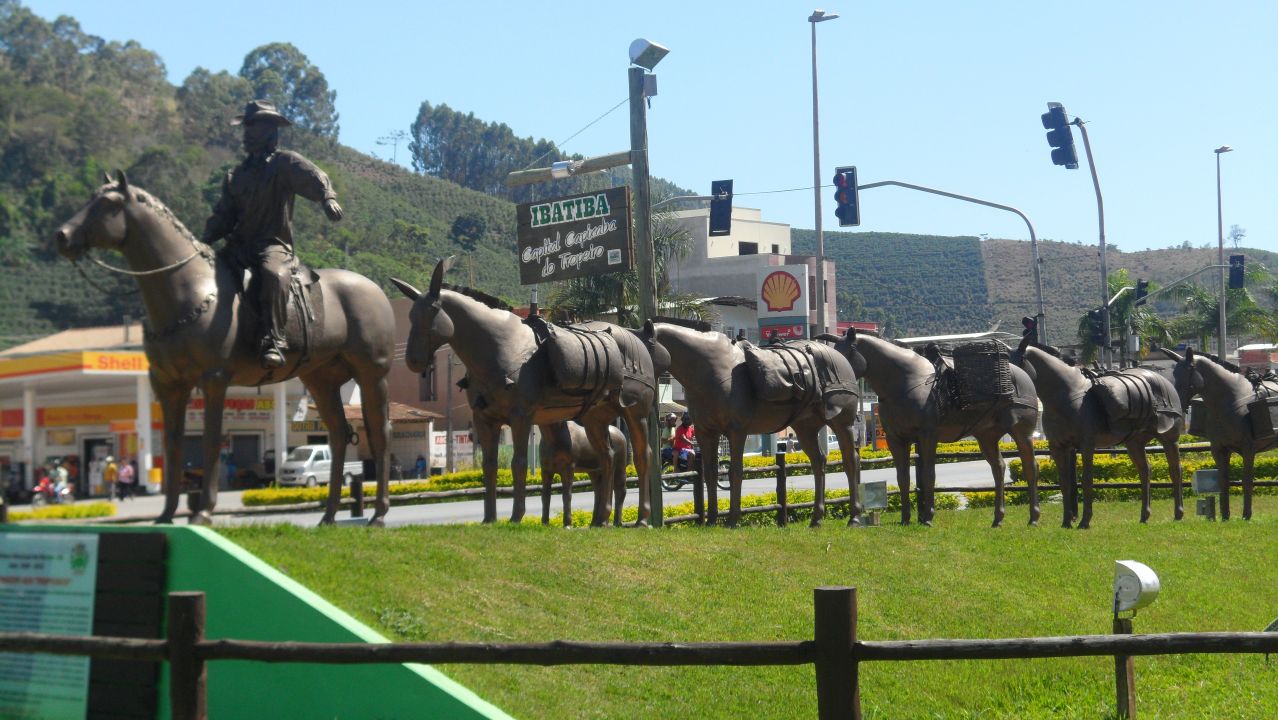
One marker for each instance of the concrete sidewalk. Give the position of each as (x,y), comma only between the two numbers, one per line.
(142,508)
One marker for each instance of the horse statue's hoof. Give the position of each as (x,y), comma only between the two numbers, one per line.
(203,518)
(377,522)
(327,520)
(164,520)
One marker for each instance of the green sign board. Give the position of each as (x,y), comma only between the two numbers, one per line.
(575,236)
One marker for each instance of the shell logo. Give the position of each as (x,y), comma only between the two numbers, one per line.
(780,290)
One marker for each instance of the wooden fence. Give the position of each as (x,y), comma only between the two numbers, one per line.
(835,652)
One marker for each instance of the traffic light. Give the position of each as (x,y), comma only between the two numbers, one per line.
(1096,326)
(847,205)
(1059,136)
(720,207)
(1237,266)
(1142,289)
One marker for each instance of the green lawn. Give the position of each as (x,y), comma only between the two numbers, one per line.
(958,579)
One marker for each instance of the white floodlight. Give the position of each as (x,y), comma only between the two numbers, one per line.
(1135,586)
(646,54)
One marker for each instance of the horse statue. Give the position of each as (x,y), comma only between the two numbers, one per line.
(916,410)
(565,448)
(516,378)
(202,333)
(1226,394)
(1084,411)
(726,400)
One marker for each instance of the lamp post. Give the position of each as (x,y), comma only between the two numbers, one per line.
(818,16)
(644,56)
(1220,253)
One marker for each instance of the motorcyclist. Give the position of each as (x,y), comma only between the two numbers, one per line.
(684,436)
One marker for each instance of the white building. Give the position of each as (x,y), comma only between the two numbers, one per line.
(728,265)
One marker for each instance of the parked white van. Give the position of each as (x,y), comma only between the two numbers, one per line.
(309,465)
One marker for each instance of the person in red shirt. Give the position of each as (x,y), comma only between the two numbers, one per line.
(684,435)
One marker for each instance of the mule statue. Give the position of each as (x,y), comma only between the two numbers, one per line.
(1228,399)
(565,448)
(528,373)
(917,410)
(735,389)
(1084,411)
(201,332)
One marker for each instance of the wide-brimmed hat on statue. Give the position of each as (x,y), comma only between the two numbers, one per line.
(260,111)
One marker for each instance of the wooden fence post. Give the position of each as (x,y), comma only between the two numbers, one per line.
(783,515)
(1125,674)
(188,677)
(838,691)
(698,490)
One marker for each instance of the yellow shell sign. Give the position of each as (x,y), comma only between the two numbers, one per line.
(780,290)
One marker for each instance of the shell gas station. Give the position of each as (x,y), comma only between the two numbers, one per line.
(80,395)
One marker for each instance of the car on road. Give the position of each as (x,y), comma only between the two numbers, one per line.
(309,465)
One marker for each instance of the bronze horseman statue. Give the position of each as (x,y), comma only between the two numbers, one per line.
(255,215)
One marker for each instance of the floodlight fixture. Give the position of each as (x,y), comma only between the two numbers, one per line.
(646,54)
(1135,586)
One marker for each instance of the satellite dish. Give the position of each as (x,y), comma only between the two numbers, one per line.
(1135,585)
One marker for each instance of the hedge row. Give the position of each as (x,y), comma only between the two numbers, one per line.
(475,478)
(65,512)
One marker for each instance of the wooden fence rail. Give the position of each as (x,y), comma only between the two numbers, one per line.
(835,653)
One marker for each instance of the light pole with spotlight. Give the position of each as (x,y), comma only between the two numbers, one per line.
(818,16)
(1220,253)
(644,56)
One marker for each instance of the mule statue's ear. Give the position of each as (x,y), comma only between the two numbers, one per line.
(124,183)
(437,278)
(649,330)
(850,335)
(409,291)
(109,180)
(1172,355)
(1189,353)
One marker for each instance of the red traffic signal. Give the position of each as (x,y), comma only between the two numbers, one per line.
(847,203)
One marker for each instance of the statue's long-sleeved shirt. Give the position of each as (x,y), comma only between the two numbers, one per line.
(256,207)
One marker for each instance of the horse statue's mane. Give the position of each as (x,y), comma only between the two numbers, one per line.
(160,209)
(483,297)
(700,325)
(1223,363)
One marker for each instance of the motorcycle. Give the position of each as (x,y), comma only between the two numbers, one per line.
(692,461)
(47,494)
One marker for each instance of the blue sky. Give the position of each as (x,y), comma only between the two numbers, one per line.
(941,94)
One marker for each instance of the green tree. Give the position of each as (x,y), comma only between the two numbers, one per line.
(467,230)
(281,73)
(207,101)
(1200,315)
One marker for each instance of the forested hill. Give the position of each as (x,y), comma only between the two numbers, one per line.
(910,284)
(73,106)
(924,284)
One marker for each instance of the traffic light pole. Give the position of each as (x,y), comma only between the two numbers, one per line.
(1038,280)
(1104,273)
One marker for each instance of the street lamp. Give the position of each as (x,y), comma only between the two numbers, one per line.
(1220,253)
(644,56)
(818,16)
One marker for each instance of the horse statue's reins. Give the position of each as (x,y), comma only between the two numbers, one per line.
(133,273)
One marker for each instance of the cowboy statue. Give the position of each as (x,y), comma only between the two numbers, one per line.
(255,216)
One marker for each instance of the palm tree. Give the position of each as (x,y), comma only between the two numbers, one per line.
(1126,318)
(1201,316)
(615,296)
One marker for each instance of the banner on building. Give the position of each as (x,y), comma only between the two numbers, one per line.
(574,236)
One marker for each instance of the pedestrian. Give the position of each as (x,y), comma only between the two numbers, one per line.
(60,477)
(667,439)
(126,480)
(110,474)
(396,470)
(419,467)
